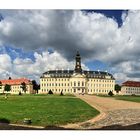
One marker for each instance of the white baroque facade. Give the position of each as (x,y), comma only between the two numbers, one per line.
(16,86)
(77,81)
(130,88)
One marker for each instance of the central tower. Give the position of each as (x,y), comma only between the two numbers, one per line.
(78,68)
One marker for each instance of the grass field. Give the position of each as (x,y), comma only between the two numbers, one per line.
(128,98)
(123,97)
(45,109)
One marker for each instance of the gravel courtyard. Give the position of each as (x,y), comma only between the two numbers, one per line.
(115,114)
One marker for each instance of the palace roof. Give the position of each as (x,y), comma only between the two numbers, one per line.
(15,81)
(131,84)
(69,73)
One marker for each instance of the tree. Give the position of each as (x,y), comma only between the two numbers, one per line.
(117,88)
(38,86)
(7,88)
(0,85)
(35,86)
(110,93)
(24,87)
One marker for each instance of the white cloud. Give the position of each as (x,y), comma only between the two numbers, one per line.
(5,65)
(94,35)
(27,68)
(5,62)
(120,77)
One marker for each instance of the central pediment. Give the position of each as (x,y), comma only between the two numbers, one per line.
(77,75)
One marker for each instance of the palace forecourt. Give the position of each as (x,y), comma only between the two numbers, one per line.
(77,81)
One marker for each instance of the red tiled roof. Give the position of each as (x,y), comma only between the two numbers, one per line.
(131,84)
(15,81)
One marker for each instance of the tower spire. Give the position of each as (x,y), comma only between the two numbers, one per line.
(78,68)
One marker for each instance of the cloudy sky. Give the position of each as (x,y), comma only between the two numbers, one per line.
(33,41)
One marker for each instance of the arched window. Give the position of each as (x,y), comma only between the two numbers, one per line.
(74,83)
(78,83)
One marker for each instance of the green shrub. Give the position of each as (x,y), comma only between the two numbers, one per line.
(50,92)
(61,94)
(133,95)
(3,120)
(110,93)
(20,93)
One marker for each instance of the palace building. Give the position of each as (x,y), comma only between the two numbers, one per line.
(130,88)
(77,81)
(16,86)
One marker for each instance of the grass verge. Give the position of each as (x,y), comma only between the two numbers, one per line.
(128,98)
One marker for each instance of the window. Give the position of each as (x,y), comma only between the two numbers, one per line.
(74,83)
(78,83)
(82,83)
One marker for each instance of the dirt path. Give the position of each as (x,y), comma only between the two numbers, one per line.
(107,104)
(113,112)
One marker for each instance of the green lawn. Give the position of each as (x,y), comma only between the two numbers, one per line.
(45,109)
(123,97)
(128,98)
